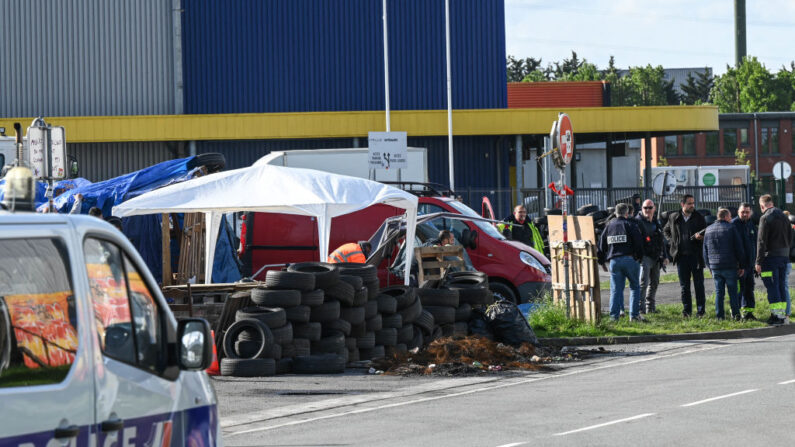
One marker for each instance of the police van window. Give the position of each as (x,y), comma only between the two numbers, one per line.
(147,321)
(110,301)
(38,321)
(428,208)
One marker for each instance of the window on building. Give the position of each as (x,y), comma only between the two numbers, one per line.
(689,144)
(744,137)
(729,141)
(671,148)
(712,143)
(769,140)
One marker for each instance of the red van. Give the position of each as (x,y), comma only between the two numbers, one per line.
(516,271)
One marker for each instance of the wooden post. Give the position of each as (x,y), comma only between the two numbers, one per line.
(166,236)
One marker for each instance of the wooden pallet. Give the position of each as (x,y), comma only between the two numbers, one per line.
(585,297)
(434,262)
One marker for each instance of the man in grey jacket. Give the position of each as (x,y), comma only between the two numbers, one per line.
(725,255)
(772,255)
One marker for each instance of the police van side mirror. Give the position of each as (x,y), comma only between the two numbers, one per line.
(194,344)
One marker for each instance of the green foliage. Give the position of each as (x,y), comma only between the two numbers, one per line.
(751,87)
(662,161)
(646,86)
(519,69)
(696,90)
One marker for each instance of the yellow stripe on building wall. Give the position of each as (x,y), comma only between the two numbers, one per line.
(267,126)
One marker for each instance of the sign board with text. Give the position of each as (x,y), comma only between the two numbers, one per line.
(387,150)
(37,151)
(58,153)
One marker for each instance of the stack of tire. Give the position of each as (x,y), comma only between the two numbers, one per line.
(404,323)
(443,305)
(473,291)
(361,316)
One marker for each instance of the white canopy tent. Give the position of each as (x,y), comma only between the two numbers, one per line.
(273,189)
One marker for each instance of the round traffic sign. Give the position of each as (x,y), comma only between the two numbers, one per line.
(566,137)
(782,170)
(664,183)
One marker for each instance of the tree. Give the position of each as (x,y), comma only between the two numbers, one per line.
(725,92)
(696,89)
(672,97)
(752,88)
(518,69)
(646,86)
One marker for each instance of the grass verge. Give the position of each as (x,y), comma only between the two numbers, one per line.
(665,278)
(549,320)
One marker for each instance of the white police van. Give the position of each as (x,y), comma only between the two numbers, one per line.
(90,353)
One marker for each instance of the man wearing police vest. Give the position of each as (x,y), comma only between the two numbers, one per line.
(622,246)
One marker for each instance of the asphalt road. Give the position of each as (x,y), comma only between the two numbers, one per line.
(719,393)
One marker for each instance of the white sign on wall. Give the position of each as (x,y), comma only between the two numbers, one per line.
(58,152)
(37,153)
(387,150)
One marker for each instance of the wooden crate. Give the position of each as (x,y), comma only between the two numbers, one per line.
(584,294)
(432,263)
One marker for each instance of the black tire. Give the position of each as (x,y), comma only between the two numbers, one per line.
(374,324)
(275,352)
(339,325)
(319,364)
(333,343)
(360,296)
(461,328)
(213,161)
(365,271)
(500,290)
(325,274)
(392,351)
(386,304)
(376,352)
(302,347)
(275,298)
(448,330)
(328,311)
(298,314)
(276,279)
(288,350)
(370,309)
(476,296)
(438,297)
(248,367)
(405,334)
(248,349)
(355,281)
(585,209)
(358,330)
(599,215)
(403,294)
(310,331)
(463,313)
(350,343)
(341,291)
(353,355)
(426,322)
(452,276)
(411,312)
(418,341)
(441,314)
(283,334)
(373,288)
(386,337)
(435,335)
(367,341)
(393,321)
(353,315)
(271,316)
(284,366)
(553,212)
(313,298)
(257,326)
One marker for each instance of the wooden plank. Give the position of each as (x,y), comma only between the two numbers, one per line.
(442,264)
(166,238)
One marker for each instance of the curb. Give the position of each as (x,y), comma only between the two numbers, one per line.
(764,332)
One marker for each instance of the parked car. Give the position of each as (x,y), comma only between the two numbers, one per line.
(90,353)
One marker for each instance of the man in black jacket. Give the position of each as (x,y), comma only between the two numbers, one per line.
(683,231)
(654,256)
(772,256)
(621,246)
(745,227)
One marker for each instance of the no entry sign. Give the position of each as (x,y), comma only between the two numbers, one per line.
(566,137)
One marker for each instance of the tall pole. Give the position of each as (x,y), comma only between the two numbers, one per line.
(386,72)
(449,99)
(739,31)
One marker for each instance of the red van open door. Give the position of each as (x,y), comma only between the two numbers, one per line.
(486,210)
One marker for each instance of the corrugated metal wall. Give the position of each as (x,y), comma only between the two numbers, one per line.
(101,161)
(317,55)
(87,57)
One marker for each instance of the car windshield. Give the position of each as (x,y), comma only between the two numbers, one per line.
(485,227)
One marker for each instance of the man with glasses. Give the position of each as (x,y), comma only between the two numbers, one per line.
(654,256)
(685,238)
(522,230)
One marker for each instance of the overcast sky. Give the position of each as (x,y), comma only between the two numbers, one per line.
(671,33)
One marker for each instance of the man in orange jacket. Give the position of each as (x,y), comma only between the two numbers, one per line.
(351,252)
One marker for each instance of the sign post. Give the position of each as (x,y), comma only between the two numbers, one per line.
(46,154)
(782,171)
(563,140)
(387,150)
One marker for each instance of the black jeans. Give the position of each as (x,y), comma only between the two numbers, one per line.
(747,300)
(687,266)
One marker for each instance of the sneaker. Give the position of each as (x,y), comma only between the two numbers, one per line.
(685,315)
(614,319)
(736,317)
(774,320)
(749,317)
(638,319)
(700,315)
(621,314)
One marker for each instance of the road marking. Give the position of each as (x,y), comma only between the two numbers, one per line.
(512,445)
(640,416)
(787,382)
(489,387)
(718,397)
